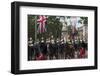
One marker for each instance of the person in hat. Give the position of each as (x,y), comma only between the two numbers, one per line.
(48,48)
(62,48)
(43,47)
(41,55)
(37,47)
(57,44)
(52,47)
(30,48)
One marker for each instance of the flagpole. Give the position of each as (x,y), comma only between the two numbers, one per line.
(35,28)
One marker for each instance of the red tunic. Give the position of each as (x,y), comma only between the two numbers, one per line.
(41,57)
(82,52)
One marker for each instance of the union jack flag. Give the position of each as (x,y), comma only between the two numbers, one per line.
(42,23)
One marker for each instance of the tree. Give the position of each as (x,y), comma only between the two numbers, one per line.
(54,26)
(83,20)
(31,26)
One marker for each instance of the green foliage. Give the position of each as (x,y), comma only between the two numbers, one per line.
(31,26)
(84,19)
(54,26)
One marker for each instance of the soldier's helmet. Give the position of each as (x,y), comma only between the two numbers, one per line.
(42,39)
(48,40)
(52,36)
(81,41)
(30,38)
(52,41)
(30,42)
(37,41)
(57,40)
(76,41)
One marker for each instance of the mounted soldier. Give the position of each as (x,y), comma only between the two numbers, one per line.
(48,48)
(30,48)
(43,47)
(62,48)
(57,44)
(52,47)
(36,48)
